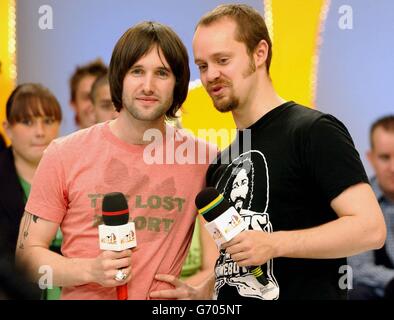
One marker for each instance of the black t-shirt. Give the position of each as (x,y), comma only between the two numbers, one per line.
(298,160)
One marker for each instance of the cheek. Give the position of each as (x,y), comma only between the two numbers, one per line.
(53,131)
(20,136)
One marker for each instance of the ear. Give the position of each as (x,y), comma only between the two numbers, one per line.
(370,157)
(261,53)
(7,129)
(73,105)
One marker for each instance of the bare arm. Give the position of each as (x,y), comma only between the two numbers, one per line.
(360,227)
(209,255)
(33,251)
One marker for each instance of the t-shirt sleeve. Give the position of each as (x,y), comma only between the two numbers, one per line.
(48,198)
(333,161)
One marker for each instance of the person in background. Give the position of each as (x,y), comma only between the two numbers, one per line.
(33,117)
(80,86)
(2,143)
(373,271)
(100,95)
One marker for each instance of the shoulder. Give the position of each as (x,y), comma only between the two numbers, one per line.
(308,121)
(79,140)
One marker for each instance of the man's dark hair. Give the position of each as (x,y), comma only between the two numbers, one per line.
(94,68)
(138,41)
(386,122)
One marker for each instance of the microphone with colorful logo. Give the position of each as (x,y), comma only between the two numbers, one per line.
(224,222)
(117,233)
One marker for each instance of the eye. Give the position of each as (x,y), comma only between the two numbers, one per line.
(136,71)
(162,73)
(202,67)
(223,61)
(49,120)
(384,157)
(27,122)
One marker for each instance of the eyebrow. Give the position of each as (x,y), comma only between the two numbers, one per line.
(213,56)
(158,68)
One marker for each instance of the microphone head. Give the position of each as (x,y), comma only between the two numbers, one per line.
(211,204)
(115,209)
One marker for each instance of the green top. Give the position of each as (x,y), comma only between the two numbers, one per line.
(193,260)
(26,186)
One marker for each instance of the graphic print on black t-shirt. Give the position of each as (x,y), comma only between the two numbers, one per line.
(239,187)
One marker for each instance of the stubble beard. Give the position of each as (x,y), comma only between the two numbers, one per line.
(139,114)
(224,104)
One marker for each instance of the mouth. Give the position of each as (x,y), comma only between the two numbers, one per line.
(217,90)
(39,145)
(147,99)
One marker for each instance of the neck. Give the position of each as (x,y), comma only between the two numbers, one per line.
(131,130)
(24,168)
(261,100)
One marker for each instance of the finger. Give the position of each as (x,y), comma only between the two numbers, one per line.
(236,248)
(237,257)
(116,255)
(114,283)
(121,263)
(233,241)
(169,279)
(244,263)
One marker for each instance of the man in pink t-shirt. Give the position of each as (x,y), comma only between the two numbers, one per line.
(160,169)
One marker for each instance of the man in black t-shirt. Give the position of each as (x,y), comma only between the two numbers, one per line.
(299,184)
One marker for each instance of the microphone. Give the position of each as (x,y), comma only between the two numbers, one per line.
(117,233)
(214,207)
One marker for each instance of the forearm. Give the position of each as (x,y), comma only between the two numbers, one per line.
(65,271)
(205,290)
(345,236)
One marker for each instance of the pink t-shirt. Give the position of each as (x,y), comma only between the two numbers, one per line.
(76,172)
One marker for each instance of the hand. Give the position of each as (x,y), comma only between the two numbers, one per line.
(251,248)
(181,291)
(107,264)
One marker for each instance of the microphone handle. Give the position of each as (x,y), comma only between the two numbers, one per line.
(121,292)
(259,275)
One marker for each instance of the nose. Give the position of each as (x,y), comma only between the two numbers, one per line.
(148,84)
(39,128)
(212,73)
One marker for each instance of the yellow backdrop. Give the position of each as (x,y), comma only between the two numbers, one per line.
(7,54)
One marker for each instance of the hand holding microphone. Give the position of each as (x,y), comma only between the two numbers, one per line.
(116,234)
(224,223)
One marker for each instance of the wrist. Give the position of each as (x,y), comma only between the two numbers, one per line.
(278,248)
(83,269)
